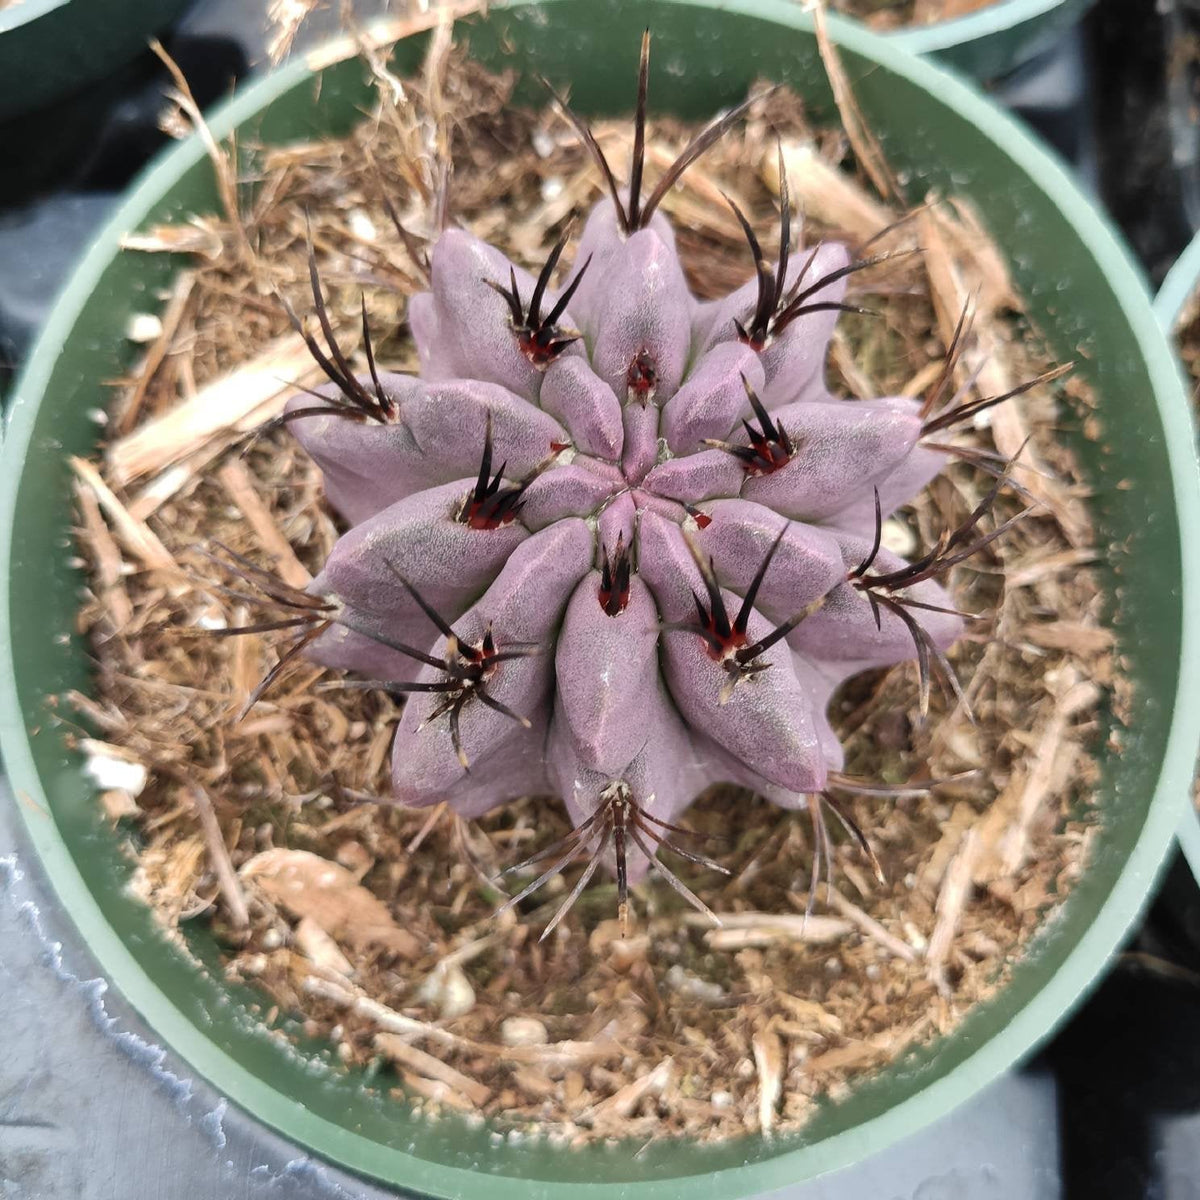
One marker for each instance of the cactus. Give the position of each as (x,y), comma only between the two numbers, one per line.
(615,544)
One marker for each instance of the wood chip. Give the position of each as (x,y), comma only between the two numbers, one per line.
(320,949)
(130,407)
(563,1054)
(399,1050)
(953,283)
(952,899)
(741,930)
(810,1013)
(435,1090)
(770,1061)
(196,237)
(534,1082)
(310,886)
(133,534)
(110,568)
(1047,566)
(869,926)
(1053,759)
(953,830)
(854,1055)
(225,172)
(824,193)
(866,145)
(341,993)
(235,404)
(1080,639)
(237,482)
(218,853)
(623,1102)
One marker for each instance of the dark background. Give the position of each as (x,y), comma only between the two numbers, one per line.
(92,1109)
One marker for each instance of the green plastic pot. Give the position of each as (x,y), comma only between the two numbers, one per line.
(51,47)
(1094,308)
(994,40)
(1180,283)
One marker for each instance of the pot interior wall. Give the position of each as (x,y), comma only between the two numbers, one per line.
(704,58)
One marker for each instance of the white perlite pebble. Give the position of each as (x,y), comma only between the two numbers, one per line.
(111,771)
(209,618)
(362,226)
(143,327)
(523,1031)
(897,537)
(448,988)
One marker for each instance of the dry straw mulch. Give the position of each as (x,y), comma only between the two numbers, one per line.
(375,926)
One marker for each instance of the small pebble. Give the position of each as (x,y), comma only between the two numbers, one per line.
(523,1031)
(897,537)
(111,771)
(209,618)
(143,327)
(362,226)
(448,989)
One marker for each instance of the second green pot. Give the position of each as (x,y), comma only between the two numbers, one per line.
(1181,283)
(996,39)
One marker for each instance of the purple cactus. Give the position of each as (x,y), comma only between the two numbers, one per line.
(616,544)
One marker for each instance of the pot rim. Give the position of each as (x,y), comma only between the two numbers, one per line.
(1177,285)
(996,19)
(28,11)
(1177,288)
(1030,1025)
